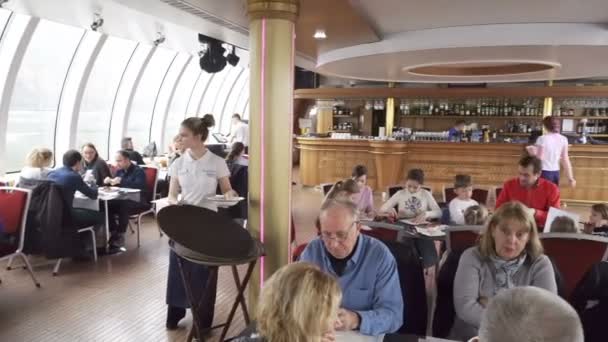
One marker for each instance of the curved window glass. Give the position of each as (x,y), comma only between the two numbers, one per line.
(198,93)
(140,116)
(179,104)
(230,106)
(242,102)
(211,94)
(223,94)
(98,98)
(36,95)
(4,15)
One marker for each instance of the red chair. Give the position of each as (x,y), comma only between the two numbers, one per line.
(459,238)
(448,195)
(497,192)
(481,196)
(14,206)
(383,234)
(574,254)
(148,208)
(295,254)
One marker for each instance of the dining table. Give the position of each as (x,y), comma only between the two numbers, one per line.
(105,194)
(353,336)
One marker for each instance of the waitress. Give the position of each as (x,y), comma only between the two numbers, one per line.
(197,173)
(552,149)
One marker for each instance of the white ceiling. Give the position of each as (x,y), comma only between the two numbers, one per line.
(570,34)
(395,16)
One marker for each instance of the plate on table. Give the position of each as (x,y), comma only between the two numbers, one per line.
(223,201)
(109,189)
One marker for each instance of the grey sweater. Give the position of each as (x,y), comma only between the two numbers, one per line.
(475,279)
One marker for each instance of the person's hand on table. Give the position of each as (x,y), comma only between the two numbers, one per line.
(107,180)
(421,218)
(588,228)
(116,181)
(348,320)
(328,337)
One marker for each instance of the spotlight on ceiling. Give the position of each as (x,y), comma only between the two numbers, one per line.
(160,39)
(212,59)
(97,23)
(232,58)
(320,34)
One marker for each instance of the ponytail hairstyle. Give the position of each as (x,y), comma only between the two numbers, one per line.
(237,149)
(475,215)
(343,188)
(198,126)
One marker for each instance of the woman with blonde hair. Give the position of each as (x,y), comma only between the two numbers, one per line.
(37,164)
(509,254)
(299,303)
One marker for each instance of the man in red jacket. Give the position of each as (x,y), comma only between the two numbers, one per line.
(531,190)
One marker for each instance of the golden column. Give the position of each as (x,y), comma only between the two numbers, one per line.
(548,106)
(390,113)
(271,46)
(325,116)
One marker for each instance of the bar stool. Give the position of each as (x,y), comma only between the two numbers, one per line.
(207,238)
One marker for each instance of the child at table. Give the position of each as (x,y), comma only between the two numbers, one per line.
(463,188)
(413,202)
(598,220)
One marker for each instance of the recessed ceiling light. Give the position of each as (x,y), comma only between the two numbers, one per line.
(320,34)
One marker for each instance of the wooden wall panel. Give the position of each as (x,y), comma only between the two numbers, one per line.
(490,165)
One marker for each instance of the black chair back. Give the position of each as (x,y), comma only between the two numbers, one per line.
(443,319)
(593,287)
(411,278)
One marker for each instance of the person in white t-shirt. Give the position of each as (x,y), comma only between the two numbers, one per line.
(195,175)
(240,131)
(413,202)
(552,150)
(463,188)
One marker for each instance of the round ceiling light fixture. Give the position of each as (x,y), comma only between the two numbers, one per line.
(480,68)
(320,34)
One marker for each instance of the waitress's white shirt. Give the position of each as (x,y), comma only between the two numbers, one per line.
(198,178)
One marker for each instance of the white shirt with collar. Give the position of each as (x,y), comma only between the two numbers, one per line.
(198,178)
(241,133)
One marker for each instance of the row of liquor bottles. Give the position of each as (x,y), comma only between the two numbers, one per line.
(503,108)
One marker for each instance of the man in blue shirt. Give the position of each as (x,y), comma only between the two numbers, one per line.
(69,179)
(129,176)
(455,133)
(366,270)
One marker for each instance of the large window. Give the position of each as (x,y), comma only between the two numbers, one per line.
(211,94)
(100,92)
(224,93)
(179,104)
(4,15)
(36,95)
(140,117)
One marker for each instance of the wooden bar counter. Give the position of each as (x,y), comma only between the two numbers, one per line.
(324,160)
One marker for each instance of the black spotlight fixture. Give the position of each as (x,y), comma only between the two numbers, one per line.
(232,58)
(97,23)
(212,59)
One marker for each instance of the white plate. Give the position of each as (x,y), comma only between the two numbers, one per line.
(221,198)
